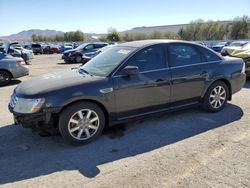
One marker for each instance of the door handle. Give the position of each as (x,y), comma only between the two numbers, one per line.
(159,80)
(204,74)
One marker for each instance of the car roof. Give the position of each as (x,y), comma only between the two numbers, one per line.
(144,43)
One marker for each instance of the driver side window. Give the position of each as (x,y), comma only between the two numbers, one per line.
(148,59)
(89,47)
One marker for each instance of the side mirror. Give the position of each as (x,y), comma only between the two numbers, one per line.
(130,70)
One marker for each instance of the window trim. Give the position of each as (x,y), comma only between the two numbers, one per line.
(203,63)
(143,72)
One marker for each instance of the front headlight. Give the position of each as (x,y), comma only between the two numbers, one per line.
(26,106)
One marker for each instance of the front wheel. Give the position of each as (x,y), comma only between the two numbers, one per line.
(78,59)
(216,97)
(81,122)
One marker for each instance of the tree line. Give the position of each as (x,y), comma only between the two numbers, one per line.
(68,36)
(238,28)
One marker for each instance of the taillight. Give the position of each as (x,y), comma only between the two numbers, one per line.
(21,62)
(243,68)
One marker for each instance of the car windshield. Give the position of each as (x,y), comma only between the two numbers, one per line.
(237,43)
(222,43)
(104,63)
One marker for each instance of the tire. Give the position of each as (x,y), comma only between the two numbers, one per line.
(78,59)
(216,97)
(75,123)
(5,77)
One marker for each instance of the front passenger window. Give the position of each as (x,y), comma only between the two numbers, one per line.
(150,58)
(89,47)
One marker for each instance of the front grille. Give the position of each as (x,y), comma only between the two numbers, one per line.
(13,100)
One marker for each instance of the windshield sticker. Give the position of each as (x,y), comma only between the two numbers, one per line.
(124,52)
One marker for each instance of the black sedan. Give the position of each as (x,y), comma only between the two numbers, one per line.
(76,55)
(127,81)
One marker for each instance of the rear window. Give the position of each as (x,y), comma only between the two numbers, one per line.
(36,46)
(209,55)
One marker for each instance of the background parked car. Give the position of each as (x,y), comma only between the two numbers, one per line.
(21,48)
(16,52)
(66,46)
(11,67)
(218,47)
(37,48)
(75,55)
(51,49)
(88,56)
(233,46)
(244,53)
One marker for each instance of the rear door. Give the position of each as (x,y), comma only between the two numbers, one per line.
(189,72)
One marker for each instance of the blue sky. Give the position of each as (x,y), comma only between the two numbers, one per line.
(98,15)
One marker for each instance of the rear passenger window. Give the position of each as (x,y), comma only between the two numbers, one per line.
(210,56)
(183,54)
(150,58)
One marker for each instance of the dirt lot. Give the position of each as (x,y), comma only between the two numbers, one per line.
(189,148)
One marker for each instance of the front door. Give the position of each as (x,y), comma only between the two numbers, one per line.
(149,90)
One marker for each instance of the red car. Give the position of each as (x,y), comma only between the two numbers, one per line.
(51,50)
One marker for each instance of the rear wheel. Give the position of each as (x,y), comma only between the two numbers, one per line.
(81,123)
(216,97)
(5,77)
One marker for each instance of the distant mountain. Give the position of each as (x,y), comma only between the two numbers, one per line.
(26,35)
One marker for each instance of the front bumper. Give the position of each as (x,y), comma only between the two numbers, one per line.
(68,58)
(46,119)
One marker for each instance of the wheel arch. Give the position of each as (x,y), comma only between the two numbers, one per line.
(7,72)
(224,80)
(102,106)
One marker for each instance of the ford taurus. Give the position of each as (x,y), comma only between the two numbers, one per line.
(127,81)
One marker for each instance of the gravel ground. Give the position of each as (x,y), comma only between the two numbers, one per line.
(189,148)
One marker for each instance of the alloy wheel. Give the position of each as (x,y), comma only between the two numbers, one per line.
(83,124)
(217,97)
(4,78)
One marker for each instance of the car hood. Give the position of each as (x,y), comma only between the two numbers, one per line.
(240,53)
(53,81)
(232,48)
(69,51)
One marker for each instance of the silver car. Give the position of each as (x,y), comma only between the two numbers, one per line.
(11,68)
